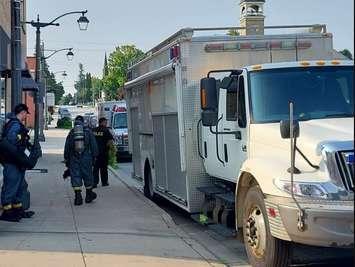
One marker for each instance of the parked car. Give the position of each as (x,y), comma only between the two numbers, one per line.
(64,113)
(62,109)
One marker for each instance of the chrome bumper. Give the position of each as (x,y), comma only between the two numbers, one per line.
(325,225)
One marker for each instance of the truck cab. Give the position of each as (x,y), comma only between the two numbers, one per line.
(284,190)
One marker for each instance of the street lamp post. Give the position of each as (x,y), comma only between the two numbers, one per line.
(83,24)
(69,54)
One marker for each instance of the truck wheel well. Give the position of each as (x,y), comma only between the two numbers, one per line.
(246,181)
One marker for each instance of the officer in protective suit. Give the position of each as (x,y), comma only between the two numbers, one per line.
(14,141)
(80,153)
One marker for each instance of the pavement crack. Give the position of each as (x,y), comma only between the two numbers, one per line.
(76,228)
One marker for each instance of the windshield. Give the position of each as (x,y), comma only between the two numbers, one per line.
(120,121)
(317,93)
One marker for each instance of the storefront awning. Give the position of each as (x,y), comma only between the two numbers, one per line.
(28,84)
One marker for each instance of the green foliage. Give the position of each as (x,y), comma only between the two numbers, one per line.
(105,69)
(89,88)
(52,85)
(82,86)
(97,87)
(65,123)
(347,53)
(112,159)
(67,99)
(118,63)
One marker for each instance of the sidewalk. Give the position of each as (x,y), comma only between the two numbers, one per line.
(122,228)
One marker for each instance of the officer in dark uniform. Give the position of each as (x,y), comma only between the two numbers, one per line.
(14,184)
(103,139)
(80,153)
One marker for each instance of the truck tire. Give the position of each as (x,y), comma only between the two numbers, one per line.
(262,248)
(148,182)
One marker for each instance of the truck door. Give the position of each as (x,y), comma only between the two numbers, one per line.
(233,150)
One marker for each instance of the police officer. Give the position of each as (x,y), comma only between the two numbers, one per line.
(103,139)
(14,185)
(79,154)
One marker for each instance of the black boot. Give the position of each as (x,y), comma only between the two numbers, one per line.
(78,198)
(24,213)
(10,215)
(90,195)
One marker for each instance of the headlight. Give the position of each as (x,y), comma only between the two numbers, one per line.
(301,189)
(326,190)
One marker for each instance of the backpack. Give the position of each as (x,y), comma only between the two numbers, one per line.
(2,150)
(4,144)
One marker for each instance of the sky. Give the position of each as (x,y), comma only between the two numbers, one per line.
(146,23)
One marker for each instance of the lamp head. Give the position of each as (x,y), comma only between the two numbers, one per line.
(70,55)
(83,22)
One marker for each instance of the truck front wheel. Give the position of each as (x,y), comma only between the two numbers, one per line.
(262,248)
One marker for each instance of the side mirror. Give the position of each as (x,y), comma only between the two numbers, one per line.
(285,129)
(208,93)
(230,83)
(209,101)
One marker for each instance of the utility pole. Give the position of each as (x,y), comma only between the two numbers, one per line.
(37,79)
(42,93)
(16,54)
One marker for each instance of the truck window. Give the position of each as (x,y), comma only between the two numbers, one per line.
(120,121)
(231,106)
(317,93)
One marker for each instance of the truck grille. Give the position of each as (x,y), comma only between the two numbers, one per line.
(345,162)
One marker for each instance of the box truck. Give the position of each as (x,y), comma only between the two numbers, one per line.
(254,132)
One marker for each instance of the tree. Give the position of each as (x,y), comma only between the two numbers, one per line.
(105,69)
(97,87)
(88,86)
(347,53)
(79,85)
(83,86)
(67,99)
(118,63)
(52,85)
